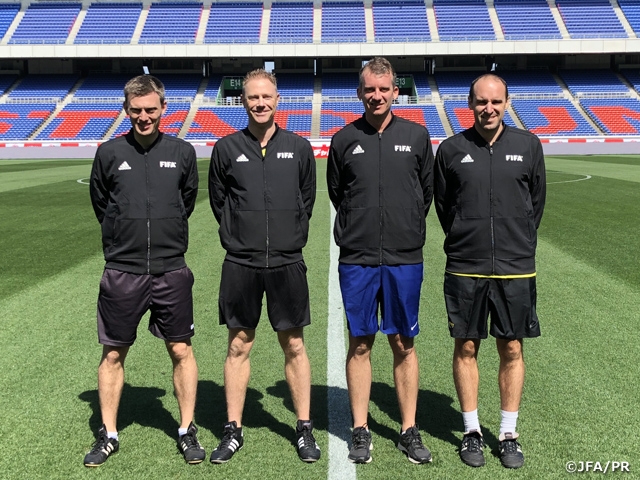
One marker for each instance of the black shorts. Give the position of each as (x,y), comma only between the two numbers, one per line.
(125,297)
(510,302)
(242,289)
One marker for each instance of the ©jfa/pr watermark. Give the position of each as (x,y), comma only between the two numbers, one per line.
(597,467)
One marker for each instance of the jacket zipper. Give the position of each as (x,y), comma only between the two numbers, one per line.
(146,171)
(266,209)
(380,191)
(493,245)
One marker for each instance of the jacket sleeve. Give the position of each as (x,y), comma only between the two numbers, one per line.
(217,183)
(426,174)
(334,176)
(99,187)
(189,185)
(538,184)
(308,179)
(440,187)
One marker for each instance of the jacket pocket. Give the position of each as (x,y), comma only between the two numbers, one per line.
(404,227)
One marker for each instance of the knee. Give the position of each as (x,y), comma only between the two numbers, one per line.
(466,350)
(113,357)
(180,351)
(294,348)
(360,349)
(239,348)
(510,351)
(402,347)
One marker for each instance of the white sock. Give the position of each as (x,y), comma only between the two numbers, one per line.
(113,435)
(508,421)
(182,431)
(471,421)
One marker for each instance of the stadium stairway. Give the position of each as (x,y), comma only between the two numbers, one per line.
(576,103)
(60,105)
(317,23)
(141,21)
(558,18)
(368,21)
(433,23)
(77,24)
(628,84)
(497,28)
(317,108)
(204,19)
(437,102)
(623,20)
(197,101)
(116,123)
(14,25)
(266,21)
(515,118)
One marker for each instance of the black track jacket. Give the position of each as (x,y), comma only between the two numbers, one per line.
(381,185)
(489,201)
(263,205)
(142,200)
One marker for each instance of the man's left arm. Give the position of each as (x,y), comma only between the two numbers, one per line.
(426,173)
(538,183)
(189,185)
(308,178)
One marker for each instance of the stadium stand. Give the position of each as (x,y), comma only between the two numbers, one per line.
(49,87)
(339,85)
(631,11)
(212,89)
(6,80)
(526,19)
(343,22)
(633,77)
(590,19)
(552,117)
(291,22)
(618,116)
(421,82)
(224,18)
(8,12)
(593,82)
(461,118)
(400,21)
(171,23)
(295,86)
(463,20)
(109,23)
(19,121)
(80,121)
(47,22)
(455,84)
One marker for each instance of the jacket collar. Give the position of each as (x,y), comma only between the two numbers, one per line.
(475,136)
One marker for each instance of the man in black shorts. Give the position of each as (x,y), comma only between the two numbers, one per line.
(489,195)
(262,187)
(143,189)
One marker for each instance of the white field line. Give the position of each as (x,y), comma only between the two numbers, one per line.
(586,177)
(337,397)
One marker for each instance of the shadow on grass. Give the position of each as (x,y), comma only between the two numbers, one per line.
(141,405)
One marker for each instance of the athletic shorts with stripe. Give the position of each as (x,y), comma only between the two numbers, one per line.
(125,297)
(394,290)
(242,289)
(511,303)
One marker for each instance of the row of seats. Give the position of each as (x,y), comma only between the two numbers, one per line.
(550,117)
(293,22)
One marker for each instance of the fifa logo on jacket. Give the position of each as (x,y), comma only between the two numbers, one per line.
(402,148)
(513,158)
(285,155)
(167,164)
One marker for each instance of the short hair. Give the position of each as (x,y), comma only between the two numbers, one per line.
(143,85)
(378,66)
(259,73)
(485,75)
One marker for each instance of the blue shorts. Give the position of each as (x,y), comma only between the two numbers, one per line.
(396,289)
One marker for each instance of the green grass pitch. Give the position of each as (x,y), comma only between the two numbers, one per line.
(580,400)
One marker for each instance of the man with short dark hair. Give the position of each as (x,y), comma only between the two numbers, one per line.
(489,195)
(143,189)
(262,187)
(380,176)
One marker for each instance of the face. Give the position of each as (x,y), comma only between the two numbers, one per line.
(145,112)
(377,93)
(260,99)
(488,104)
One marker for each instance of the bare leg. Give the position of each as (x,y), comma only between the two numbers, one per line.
(185,379)
(359,377)
(111,383)
(511,373)
(237,370)
(465,372)
(297,371)
(406,377)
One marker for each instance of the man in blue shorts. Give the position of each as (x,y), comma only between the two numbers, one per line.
(143,189)
(380,175)
(489,195)
(262,187)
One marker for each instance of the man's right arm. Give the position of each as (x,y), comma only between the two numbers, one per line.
(98,187)
(440,187)
(334,176)
(217,183)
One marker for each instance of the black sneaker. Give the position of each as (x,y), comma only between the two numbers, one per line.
(360,446)
(231,442)
(510,451)
(471,449)
(308,449)
(102,448)
(411,443)
(190,447)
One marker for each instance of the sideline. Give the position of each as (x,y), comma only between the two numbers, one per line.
(337,397)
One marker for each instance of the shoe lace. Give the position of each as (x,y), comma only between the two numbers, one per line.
(100,443)
(307,437)
(227,438)
(190,440)
(361,439)
(414,437)
(472,442)
(510,446)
